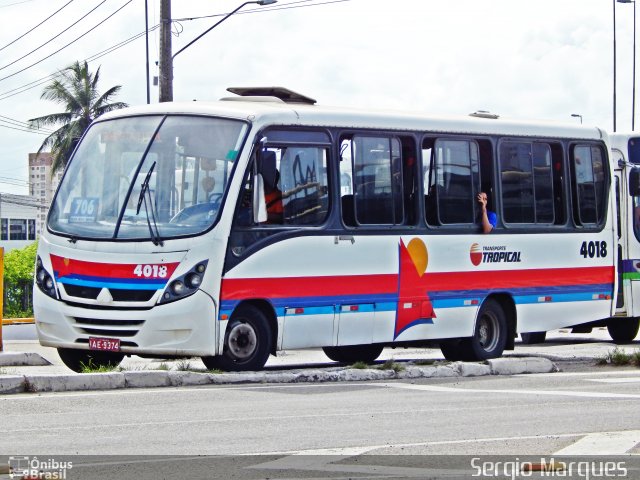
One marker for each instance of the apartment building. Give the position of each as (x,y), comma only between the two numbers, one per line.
(42,185)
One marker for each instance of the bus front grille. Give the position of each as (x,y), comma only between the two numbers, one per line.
(108,327)
(117,294)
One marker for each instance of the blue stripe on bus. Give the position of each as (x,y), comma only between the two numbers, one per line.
(120,284)
(439,300)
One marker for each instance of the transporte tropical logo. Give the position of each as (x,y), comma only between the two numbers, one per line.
(475,253)
(493,254)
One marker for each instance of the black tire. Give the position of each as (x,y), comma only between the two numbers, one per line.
(247,342)
(353,353)
(455,349)
(623,330)
(490,334)
(532,338)
(78,360)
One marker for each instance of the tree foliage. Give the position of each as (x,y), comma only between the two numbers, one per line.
(77,90)
(19,265)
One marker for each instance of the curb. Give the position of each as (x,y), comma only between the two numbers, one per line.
(22,359)
(160,378)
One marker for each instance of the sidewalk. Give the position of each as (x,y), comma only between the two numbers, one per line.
(44,371)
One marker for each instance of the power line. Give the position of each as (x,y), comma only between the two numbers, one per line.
(286,6)
(16,3)
(95,56)
(70,43)
(31,30)
(19,123)
(53,38)
(26,130)
(18,182)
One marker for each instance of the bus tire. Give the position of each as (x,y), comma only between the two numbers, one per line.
(454,349)
(247,342)
(623,331)
(532,338)
(489,336)
(79,360)
(353,353)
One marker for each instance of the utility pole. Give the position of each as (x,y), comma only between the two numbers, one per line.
(166,61)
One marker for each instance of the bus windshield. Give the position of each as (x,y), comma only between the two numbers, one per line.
(147,177)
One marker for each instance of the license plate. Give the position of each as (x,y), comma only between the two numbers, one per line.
(108,344)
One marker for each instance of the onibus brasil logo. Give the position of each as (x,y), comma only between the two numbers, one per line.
(492,254)
(38,468)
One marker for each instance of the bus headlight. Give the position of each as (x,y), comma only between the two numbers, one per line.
(44,281)
(185,285)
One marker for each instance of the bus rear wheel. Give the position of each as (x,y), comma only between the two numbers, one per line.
(532,338)
(83,360)
(623,330)
(353,353)
(247,342)
(489,337)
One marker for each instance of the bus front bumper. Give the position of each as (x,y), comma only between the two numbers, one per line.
(186,327)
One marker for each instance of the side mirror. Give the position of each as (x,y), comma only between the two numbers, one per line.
(634,182)
(259,203)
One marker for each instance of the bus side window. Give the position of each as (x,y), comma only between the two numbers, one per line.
(372,190)
(588,183)
(559,202)
(454,181)
(428,179)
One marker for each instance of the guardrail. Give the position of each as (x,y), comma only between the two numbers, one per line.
(17,321)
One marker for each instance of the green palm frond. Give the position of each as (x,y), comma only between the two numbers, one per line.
(77,91)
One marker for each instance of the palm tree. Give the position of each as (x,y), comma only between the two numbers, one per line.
(77,91)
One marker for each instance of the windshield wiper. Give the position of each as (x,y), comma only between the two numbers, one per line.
(145,192)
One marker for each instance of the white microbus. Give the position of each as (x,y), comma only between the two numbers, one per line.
(234,229)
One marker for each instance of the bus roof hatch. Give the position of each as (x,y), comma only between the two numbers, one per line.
(284,94)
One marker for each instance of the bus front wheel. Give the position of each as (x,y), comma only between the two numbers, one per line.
(87,360)
(353,353)
(623,330)
(247,342)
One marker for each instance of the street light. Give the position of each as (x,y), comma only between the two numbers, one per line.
(258,2)
(633,101)
(577,115)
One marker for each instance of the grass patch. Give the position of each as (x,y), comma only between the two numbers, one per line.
(359,365)
(424,362)
(163,366)
(184,366)
(391,365)
(91,367)
(619,357)
(217,371)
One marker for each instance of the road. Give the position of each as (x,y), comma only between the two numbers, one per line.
(432,428)
(593,412)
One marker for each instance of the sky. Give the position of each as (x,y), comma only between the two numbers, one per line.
(541,60)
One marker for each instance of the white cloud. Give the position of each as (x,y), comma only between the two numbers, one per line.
(544,59)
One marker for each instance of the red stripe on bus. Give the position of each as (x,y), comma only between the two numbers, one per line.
(68,266)
(505,279)
(240,288)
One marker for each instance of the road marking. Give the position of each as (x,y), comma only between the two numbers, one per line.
(614,380)
(466,441)
(322,461)
(560,393)
(208,388)
(578,374)
(605,443)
